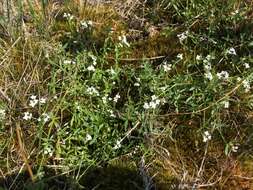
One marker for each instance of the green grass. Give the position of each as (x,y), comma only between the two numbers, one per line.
(80,95)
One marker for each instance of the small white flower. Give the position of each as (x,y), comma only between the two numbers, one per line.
(27,116)
(154,97)
(43,100)
(91,68)
(92,91)
(223,75)
(104,99)
(112,114)
(235,12)
(246,85)
(180,56)
(33,102)
(67,62)
(183,36)
(208,67)
(238,79)
(198,57)
(231,51)
(206,136)
(235,148)
(2,113)
(226,104)
(84,24)
(136,84)
(88,137)
(166,67)
(46,117)
(146,106)
(33,97)
(118,145)
(116,98)
(246,65)
(209,75)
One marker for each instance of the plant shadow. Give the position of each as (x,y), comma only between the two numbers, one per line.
(99,178)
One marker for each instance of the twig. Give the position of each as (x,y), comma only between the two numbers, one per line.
(244,177)
(5,96)
(7,52)
(130,131)
(138,59)
(22,150)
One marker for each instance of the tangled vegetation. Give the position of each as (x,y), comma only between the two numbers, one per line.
(126,94)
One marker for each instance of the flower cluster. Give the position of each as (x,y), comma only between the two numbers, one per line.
(223,75)
(207,65)
(68,16)
(34,101)
(246,85)
(183,36)
(94,63)
(154,103)
(86,24)
(116,98)
(92,91)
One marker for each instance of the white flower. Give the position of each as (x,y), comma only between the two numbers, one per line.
(231,51)
(246,65)
(183,36)
(33,97)
(166,67)
(27,116)
(92,91)
(116,98)
(2,113)
(46,117)
(112,114)
(235,148)
(153,104)
(33,101)
(112,71)
(91,68)
(198,57)
(67,62)
(154,97)
(136,84)
(246,85)
(238,79)
(206,136)
(235,12)
(104,99)
(180,56)
(43,100)
(49,151)
(118,145)
(88,137)
(208,67)
(146,106)
(209,75)
(124,41)
(223,75)
(226,104)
